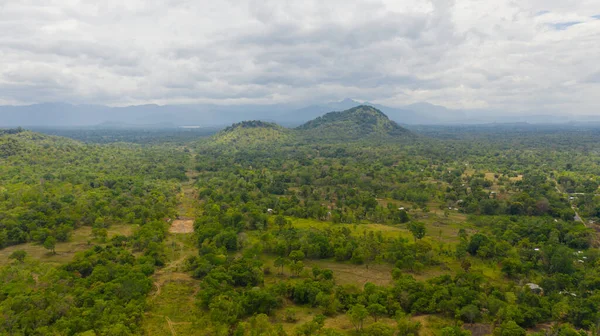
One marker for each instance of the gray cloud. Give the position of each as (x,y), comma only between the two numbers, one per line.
(513,56)
(593,78)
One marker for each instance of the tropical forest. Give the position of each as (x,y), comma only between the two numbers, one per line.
(349,224)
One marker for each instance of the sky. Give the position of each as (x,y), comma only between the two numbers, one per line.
(526,55)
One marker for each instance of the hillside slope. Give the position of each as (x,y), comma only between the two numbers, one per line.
(15,142)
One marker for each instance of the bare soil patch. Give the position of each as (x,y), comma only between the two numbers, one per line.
(182,226)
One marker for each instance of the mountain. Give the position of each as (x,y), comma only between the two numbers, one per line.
(356,123)
(250,134)
(418,113)
(304,114)
(68,115)
(212,115)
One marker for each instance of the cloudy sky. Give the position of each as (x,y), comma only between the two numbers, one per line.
(520,55)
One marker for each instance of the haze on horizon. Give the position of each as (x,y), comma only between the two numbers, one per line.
(527,56)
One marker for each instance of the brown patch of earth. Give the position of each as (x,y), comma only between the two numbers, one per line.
(182,226)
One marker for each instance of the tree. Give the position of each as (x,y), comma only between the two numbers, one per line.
(258,325)
(509,328)
(407,327)
(297,267)
(417,229)
(224,309)
(477,241)
(465,265)
(313,327)
(402,217)
(357,315)
(358,255)
(296,255)
(290,315)
(18,255)
(100,234)
(280,221)
(378,329)
(280,262)
(469,313)
(50,244)
(376,310)
(454,331)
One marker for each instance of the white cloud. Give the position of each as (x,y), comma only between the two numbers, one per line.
(526,55)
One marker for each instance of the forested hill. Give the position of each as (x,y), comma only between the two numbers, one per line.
(15,142)
(359,123)
(355,123)
(249,134)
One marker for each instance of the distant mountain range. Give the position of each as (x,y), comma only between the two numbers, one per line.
(210,115)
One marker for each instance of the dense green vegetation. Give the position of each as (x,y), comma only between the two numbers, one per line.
(356,123)
(436,231)
(139,135)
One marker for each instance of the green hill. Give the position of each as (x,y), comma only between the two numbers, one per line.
(356,123)
(14,142)
(252,133)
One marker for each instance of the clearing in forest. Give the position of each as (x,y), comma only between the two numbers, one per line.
(81,240)
(182,226)
(187,206)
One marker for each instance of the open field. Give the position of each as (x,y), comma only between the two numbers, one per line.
(172,310)
(359,275)
(429,323)
(438,227)
(182,226)
(81,240)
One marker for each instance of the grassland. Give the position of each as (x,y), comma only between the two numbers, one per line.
(80,240)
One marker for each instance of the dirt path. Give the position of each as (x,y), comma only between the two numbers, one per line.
(171,271)
(180,244)
(170,326)
(187,199)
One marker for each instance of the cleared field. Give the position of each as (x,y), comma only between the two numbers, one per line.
(359,275)
(439,227)
(81,240)
(182,226)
